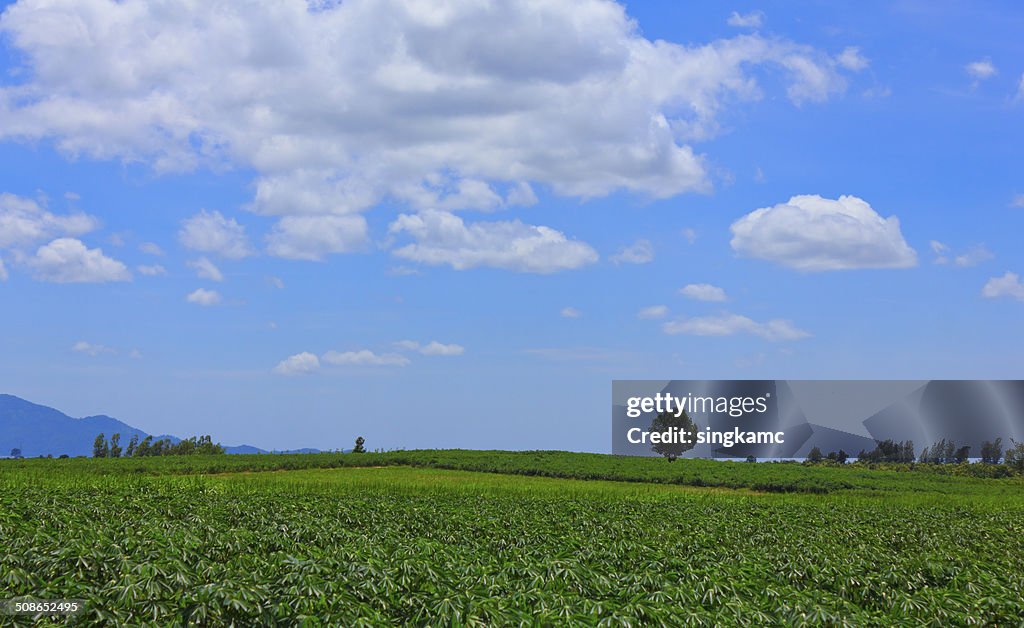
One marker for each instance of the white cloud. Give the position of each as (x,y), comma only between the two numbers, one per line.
(337,107)
(67,260)
(703,292)
(1009,285)
(204,297)
(640,252)
(1020,90)
(431,348)
(981,70)
(653,312)
(1018,200)
(91,349)
(436,348)
(205,269)
(3,271)
(812,233)
(277,282)
(314,237)
(443,238)
(851,59)
(727,324)
(299,364)
(690,235)
(135,354)
(151,270)
(211,232)
(151,248)
(754,19)
(23,222)
(941,251)
(974,256)
(570,312)
(364,357)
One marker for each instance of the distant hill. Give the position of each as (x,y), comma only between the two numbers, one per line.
(40,430)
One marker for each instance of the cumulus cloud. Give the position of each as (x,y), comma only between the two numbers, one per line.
(981,70)
(299,364)
(211,232)
(151,248)
(431,348)
(941,251)
(972,257)
(204,297)
(67,260)
(1009,285)
(640,252)
(653,312)
(754,19)
(852,59)
(570,312)
(90,349)
(811,233)
(151,270)
(443,238)
(314,237)
(24,222)
(703,292)
(364,357)
(728,324)
(337,107)
(205,269)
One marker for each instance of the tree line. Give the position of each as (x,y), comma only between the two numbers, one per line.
(942,452)
(202,445)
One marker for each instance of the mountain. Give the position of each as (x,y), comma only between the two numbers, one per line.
(39,430)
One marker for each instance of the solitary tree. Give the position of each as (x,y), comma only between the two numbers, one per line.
(115,446)
(814,455)
(99,447)
(16,453)
(359,449)
(682,426)
(132,444)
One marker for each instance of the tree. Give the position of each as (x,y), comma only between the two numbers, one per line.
(814,455)
(681,426)
(1015,456)
(751,458)
(963,453)
(359,449)
(132,444)
(992,451)
(842,457)
(115,446)
(99,447)
(16,453)
(145,447)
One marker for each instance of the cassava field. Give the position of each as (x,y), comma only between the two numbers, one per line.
(498,538)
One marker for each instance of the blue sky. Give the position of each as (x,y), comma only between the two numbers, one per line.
(288,226)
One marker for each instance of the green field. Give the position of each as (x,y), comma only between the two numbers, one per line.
(498,538)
